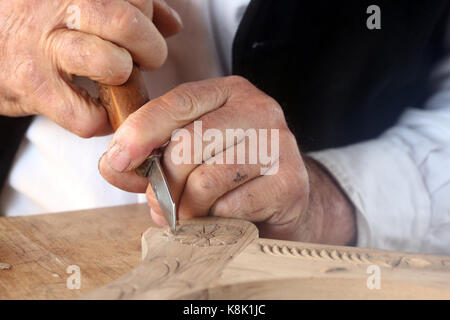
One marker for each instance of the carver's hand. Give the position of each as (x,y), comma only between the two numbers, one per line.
(289,197)
(44,42)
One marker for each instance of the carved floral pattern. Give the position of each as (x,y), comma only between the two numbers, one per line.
(205,235)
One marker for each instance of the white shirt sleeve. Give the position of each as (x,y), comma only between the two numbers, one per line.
(399,183)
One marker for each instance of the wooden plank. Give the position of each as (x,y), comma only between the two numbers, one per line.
(213,258)
(275,269)
(104,243)
(182,265)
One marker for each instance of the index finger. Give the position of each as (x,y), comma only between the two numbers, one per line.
(152,125)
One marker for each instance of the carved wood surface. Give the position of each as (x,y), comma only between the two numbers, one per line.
(193,264)
(36,250)
(354,256)
(181,265)
(273,269)
(104,243)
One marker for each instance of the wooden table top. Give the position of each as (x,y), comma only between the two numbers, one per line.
(36,251)
(104,243)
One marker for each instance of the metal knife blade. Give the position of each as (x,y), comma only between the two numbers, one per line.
(152,169)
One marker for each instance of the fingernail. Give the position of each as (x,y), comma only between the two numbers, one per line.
(172,11)
(176,15)
(118,158)
(100,161)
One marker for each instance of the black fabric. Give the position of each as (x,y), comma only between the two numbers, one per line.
(11,131)
(337,81)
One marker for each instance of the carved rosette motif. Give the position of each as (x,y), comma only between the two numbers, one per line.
(205,235)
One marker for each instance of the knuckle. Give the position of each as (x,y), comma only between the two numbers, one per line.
(258,214)
(68,118)
(85,132)
(123,19)
(160,55)
(83,129)
(203,183)
(208,122)
(283,187)
(155,54)
(119,76)
(233,208)
(237,80)
(76,48)
(287,137)
(289,152)
(238,87)
(221,208)
(291,181)
(27,75)
(109,66)
(294,179)
(272,109)
(132,133)
(180,103)
(272,214)
(135,124)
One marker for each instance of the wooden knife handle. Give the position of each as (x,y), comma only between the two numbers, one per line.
(121,101)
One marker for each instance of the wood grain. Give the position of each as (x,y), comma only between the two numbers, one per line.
(121,101)
(182,265)
(274,269)
(104,243)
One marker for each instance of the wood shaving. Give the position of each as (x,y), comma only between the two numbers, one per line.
(5,266)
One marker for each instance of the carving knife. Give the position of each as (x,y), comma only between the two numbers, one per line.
(120,102)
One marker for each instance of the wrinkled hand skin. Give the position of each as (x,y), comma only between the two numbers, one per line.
(301,202)
(39,54)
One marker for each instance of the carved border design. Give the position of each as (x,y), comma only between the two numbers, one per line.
(320,254)
(354,257)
